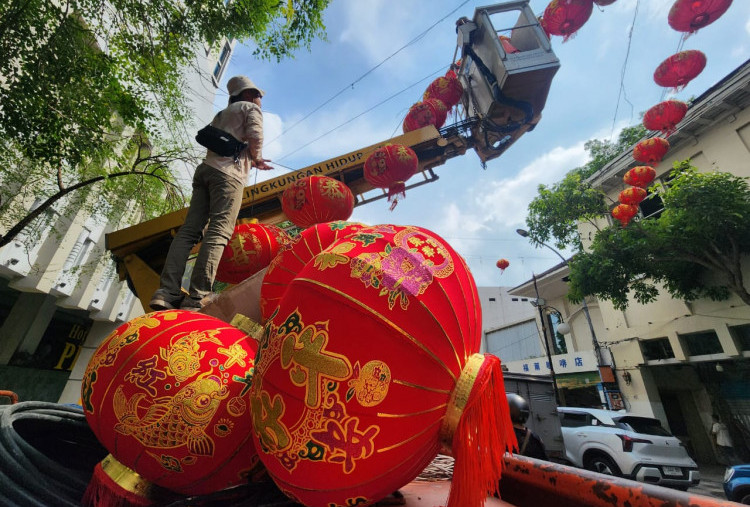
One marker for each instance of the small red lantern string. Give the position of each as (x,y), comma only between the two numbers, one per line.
(624,213)
(502,265)
(651,151)
(633,195)
(665,116)
(640,176)
(679,69)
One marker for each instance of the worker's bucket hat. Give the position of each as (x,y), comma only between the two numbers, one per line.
(239,84)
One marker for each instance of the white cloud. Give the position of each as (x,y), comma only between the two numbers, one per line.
(376,28)
(747,27)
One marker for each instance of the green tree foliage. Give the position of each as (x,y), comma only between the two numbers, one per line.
(554,214)
(694,248)
(84,82)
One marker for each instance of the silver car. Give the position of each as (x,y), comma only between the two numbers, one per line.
(626,445)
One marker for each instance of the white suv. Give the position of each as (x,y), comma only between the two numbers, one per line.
(626,445)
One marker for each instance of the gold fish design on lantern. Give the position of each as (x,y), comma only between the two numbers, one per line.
(173,421)
(184,355)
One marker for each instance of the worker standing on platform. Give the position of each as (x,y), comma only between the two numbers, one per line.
(217,195)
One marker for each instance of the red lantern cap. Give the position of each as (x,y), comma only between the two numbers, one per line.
(317,199)
(665,116)
(428,112)
(692,15)
(651,151)
(624,213)
(640,176)
(566,17)
(679,69)
(389,167)
(633,195)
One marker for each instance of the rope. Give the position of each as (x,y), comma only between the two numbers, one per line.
(621,92)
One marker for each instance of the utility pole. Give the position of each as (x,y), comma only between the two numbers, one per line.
(546,343)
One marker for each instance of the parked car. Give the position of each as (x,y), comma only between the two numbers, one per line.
(626,445)
(737,484)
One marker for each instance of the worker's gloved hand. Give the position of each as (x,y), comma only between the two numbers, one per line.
(262,164)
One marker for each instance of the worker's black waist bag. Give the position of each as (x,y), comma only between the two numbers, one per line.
(220,142)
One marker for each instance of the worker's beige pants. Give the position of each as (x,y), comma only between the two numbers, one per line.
(216,200)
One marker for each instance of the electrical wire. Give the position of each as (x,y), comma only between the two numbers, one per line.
(368,72)
(621,92)
(363,112)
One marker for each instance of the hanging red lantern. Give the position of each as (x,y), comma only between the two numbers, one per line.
(502,264)
(166,394)
(566,17)
(250,249)
(692,15)
(428,112)
(639,176)
(633,195)
(317,199)
(665,116)
(651,151)
(446,89)
(679,69)
(295,256)
(389,167)
(624,213)
(362,369)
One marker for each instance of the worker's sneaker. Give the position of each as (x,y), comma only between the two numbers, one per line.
(162,300)
(190,303)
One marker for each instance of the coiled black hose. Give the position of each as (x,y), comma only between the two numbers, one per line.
(48,454)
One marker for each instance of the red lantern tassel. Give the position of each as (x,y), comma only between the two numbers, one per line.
(396,191)
(115,485)
(483,433)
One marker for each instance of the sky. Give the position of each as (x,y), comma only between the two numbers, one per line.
(476,210)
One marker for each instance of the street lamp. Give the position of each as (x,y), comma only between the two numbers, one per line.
(597,349)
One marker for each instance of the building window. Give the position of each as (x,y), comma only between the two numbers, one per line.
(223,59)
(492,299)
(742,336)
(558,341)
(658,348)
(702,344)
(515,343)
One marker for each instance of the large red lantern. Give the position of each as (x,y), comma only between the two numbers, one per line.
(389,167)
(317,199)
(651,151)
(633,195)
(363,370)
(692,15)
(679,69)
(502,264)
(566,17)
(665,116)
(290,261)
(167,395)
(428,112)
(250,249)
(624,213)
(639,176)
(446,89)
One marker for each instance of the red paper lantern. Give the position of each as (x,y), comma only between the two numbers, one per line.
(294,256)
(639,176)
(651,151)
(361,367)
(679,69)
(502,264)
(665,116)
(446,89)
(250,249)
(624,213)
(166,394)
(317,199)
(427,112)
(389,167)
(566,17)
(692,15)
(633,195)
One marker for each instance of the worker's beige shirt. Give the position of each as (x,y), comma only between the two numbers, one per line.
(244,120)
